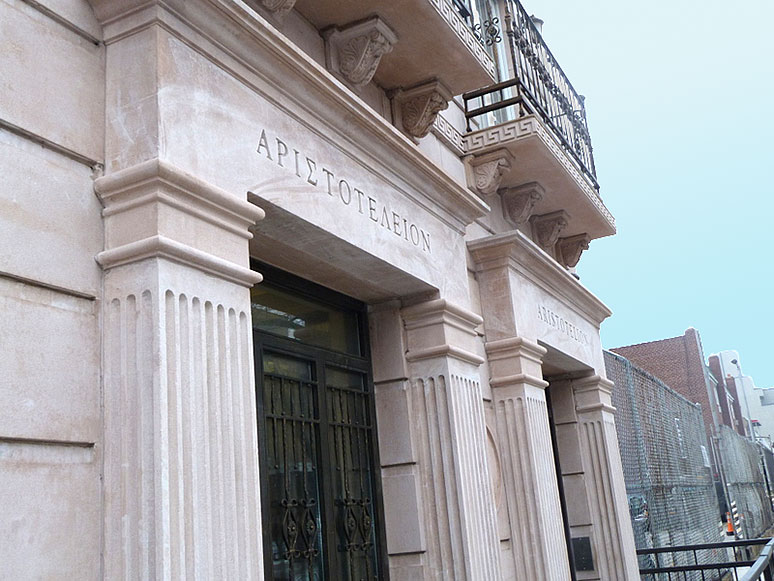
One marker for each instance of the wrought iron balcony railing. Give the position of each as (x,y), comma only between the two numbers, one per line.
(539,87)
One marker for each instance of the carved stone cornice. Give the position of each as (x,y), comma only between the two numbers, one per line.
(420,105)
(278,8)
(569,249)
(354,51)
(519,202)
(548,227)
(487,170)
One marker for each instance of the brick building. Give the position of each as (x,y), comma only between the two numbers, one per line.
(679,362)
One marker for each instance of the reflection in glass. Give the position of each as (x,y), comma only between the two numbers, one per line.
(286,314)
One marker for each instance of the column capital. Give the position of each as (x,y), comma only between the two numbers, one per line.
(515,361)
(156,210)
(593,394)
(438,328)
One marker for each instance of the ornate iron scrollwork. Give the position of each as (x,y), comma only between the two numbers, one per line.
(488,32)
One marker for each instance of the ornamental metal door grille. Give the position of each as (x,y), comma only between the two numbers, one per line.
(320,496)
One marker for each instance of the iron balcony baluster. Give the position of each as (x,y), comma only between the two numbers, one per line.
(540,88)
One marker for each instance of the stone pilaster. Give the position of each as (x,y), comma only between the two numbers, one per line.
(527,459)
(451,441)
(613,537)
(181,482)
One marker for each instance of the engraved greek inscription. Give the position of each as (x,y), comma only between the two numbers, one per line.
(329,175)
(282,151)
(562,325)
(381,214)
(264,144)
(346,199)
(312,167)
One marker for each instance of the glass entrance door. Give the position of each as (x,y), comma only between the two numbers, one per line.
(321,494)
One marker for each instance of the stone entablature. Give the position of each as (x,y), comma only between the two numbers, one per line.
(552,306)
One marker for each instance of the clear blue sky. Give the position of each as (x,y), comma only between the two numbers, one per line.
(680,104)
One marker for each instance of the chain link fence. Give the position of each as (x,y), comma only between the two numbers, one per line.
(667,465)
(741,466)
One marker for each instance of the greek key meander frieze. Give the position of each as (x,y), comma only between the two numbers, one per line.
(502,134)
(447,133)
(465,34)
(320,176)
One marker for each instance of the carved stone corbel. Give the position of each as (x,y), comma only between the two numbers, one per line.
(487,170)
(546,228)
(279,8)
(569,249)
(519,202)
(420,105)
(354,52)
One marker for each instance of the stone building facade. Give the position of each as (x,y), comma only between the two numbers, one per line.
(416,390)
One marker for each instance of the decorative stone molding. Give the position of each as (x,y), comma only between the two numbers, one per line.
(519,202)
(420,105)
(548,227)
(488,169)
(354,52)
(524,128)
(156,192)
(447,133)
(569,250)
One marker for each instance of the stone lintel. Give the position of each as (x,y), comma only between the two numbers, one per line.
(519,202)
(420,105)
(548,227)
(487,170)
(354,51)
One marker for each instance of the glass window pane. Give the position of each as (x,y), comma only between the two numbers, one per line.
(349,448)
(283,313)
(295,482)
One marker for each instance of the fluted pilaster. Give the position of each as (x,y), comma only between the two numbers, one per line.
(527,459)
(446,388)
(181,475)
(613,539)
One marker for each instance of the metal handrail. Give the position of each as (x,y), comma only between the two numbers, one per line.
(763,566)
(541,88)
(658,568)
